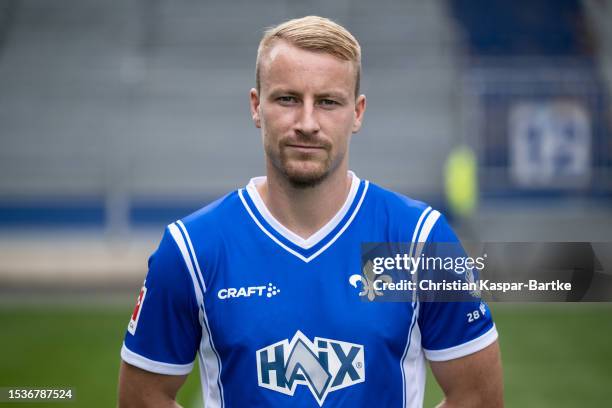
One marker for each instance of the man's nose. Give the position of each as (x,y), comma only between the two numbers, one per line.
(308,122)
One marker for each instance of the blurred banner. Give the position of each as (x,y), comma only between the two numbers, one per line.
(550,144)
(539,130)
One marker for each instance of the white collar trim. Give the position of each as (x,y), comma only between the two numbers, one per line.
(315,238)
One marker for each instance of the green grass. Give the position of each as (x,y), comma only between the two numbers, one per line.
(557,355)
(66,346)
(553,355)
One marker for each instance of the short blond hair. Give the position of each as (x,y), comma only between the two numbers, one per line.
(316,34)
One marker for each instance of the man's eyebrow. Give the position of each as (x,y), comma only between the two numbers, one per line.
(332,94)
(329,94)
(283,91)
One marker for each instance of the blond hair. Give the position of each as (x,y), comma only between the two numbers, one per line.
(317,34)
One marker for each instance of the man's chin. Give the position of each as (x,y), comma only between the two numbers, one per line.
(302,178)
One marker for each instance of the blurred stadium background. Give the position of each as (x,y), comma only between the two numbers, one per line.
(118,117)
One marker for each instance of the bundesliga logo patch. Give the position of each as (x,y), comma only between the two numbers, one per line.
(323,365)
(136,313)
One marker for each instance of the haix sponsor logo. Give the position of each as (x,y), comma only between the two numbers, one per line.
(323,365)
(248,291)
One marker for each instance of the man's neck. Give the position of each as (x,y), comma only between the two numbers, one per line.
(305,210)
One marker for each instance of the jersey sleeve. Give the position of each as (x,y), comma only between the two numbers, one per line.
(455,329)
(164,332)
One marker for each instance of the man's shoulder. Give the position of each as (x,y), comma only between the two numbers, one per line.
(206,228)
(395,203)
(399,210)
(213,215)
(219,211)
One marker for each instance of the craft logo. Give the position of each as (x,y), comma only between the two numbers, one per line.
(136,313)
(248,291)
(324,365)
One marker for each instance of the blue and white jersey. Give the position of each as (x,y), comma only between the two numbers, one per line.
(273,318)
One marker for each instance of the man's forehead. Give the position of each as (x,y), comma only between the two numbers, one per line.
(283,62)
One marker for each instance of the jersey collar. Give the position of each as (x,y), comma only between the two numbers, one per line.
(305,248)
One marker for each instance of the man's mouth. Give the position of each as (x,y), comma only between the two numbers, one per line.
(305,147)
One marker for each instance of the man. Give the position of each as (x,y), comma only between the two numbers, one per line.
(257,283)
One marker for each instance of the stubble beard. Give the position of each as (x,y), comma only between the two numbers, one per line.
(303,172)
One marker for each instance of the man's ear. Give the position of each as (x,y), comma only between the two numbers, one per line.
(255,107)
(360,107)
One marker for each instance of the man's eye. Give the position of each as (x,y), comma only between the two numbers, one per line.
(287,99)
(328,102)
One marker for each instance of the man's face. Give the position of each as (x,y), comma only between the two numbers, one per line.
(307,110)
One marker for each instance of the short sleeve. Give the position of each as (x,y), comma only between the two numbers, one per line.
(451,330)
(164,330)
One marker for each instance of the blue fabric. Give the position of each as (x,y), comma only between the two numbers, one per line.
(168,329)
(354,345)
(447,324)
